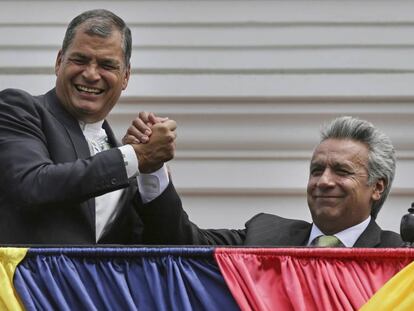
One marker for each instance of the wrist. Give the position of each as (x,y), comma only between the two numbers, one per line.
(146,163)
(146,167)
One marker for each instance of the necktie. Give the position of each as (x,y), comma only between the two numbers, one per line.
(98,143)
(96,137)
(327,241)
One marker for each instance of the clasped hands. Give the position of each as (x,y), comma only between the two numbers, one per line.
(153,139)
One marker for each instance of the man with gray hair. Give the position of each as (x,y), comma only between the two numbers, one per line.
(351,172)
(65,179)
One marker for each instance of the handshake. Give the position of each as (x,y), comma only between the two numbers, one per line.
(153,139)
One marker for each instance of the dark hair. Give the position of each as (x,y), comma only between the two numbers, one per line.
(381,157)
(100,23)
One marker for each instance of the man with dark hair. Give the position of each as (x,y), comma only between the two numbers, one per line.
(351,173)
(65,179)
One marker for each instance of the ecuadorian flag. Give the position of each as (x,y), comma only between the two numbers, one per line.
(206,278)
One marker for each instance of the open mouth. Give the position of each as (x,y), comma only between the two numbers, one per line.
(88,90)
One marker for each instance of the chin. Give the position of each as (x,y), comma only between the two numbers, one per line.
(327,214)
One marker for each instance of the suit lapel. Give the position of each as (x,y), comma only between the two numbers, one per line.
(78,141)
(70,124)
(113,142)
(370,237)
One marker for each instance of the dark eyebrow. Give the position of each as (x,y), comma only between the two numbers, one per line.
(343,166)
(316,161)
(316,164)
(80,55)
(335,165)
(111,62)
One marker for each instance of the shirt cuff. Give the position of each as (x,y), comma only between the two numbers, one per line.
(150,185)
(130,160)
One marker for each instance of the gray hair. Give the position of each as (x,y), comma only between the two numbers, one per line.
(100,23)
(381,157)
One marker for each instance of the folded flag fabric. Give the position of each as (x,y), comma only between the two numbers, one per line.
(9,259)
(308,278)
(206,278)
(144,279)
(396,295)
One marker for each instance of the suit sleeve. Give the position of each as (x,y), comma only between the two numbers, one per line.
(30,177)
(165,222)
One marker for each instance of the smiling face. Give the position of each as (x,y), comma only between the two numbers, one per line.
(91,74)
(339,196)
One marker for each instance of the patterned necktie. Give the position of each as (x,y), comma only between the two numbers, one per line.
(98,144)
(96,137)
(327,241)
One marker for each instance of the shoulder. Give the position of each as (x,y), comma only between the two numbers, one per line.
(273,230)
(390,239)
(14,94)
(17,99)
(264,219)
(21,104)
(374,236)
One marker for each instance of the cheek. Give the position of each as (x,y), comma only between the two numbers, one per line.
(114,80)
(65,77)
(311,184)
(357,191)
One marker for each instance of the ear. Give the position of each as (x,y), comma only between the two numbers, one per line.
(126,77)
(58,62)
(378,189)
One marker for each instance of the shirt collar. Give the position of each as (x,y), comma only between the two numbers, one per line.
(92,130)
(348,237)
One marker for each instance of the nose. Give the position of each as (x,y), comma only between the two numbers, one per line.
(326,180)
(91,73)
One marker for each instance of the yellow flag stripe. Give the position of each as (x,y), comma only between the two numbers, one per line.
(10,257)
(396,295)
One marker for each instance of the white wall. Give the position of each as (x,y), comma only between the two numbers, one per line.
(250,83)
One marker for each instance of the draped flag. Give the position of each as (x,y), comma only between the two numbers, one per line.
(308,278)
(184,279)
(396,295)
(206,278)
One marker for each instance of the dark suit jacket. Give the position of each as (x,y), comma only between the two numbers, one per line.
(167,223)
(49,180)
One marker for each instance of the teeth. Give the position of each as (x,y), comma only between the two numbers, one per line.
(88,89)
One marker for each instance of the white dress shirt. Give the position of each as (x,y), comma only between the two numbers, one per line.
(348,237)
(150,185)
